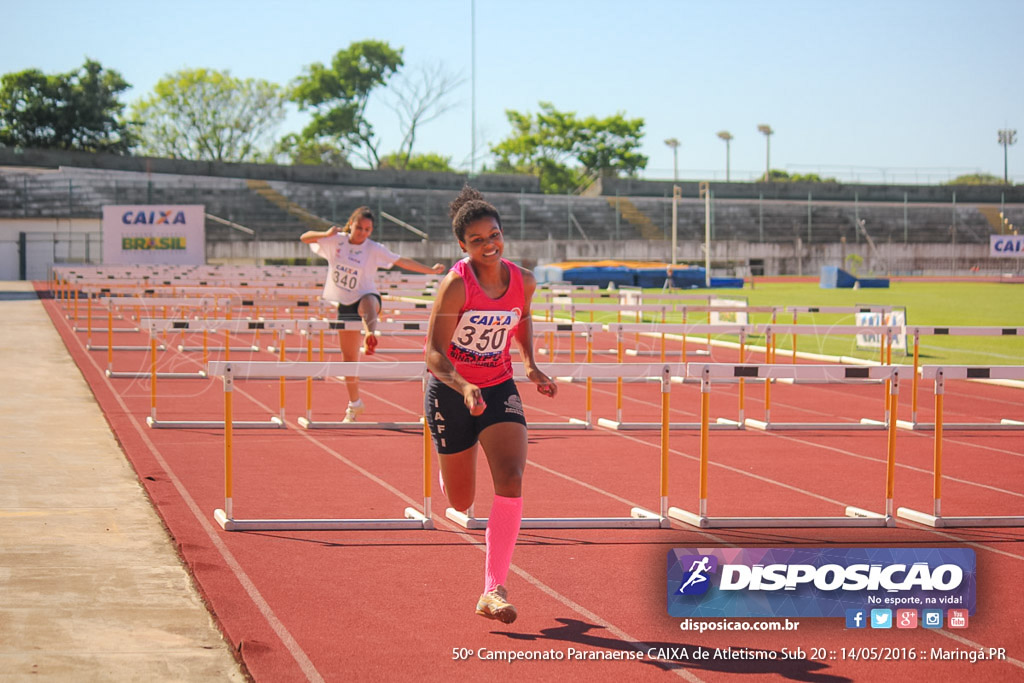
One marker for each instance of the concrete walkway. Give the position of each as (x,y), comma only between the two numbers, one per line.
(91,588)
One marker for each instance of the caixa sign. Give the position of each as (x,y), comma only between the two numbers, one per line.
(171,234)
(1006,246)
(816,582)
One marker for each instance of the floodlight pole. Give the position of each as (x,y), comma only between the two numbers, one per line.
(674,144)
(1007,137)
(705,192)
(767,130)
(472,117)
(727,136)
(676,194)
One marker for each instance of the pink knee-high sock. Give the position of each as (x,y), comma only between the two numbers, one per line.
(502,530)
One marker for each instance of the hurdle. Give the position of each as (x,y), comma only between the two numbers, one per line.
(917,331)
(619,423)
(851,375)
(229,371)
(150,325)
(639,518)
(155,326)
(138,302)
(573,328)
(855,516)
(386,324)
(940,374)
(374,372)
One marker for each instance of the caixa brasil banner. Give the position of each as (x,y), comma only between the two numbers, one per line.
(172,234)
(1006,246)
(817,582)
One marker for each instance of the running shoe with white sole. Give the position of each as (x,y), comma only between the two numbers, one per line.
(354,410)
(494,605)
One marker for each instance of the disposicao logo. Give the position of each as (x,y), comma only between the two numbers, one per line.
(696,580)
(817,582)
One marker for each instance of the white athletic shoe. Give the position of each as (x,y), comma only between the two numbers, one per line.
(354,410)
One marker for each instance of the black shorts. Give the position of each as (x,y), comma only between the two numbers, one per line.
(453,428)
(351,311)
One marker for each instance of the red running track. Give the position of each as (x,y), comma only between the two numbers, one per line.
(394,605)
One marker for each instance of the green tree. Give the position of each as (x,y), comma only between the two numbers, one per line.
(337,96)
(564,150)
(78,110)
(208,115)
(300,151)
(430,161)
(976,179)
(778,176)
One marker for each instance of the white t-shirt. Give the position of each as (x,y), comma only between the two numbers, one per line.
(352,269)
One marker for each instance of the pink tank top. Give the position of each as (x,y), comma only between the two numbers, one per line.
(479,349)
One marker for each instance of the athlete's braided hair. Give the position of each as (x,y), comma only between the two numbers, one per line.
(468,207)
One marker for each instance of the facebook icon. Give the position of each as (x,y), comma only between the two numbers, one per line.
(856,618)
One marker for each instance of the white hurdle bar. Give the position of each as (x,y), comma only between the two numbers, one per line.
(414,519)
(640,518)
(940,374)
(389,325)
(682,329)
(855,516)
(156,326)
(797,310)
(962,331)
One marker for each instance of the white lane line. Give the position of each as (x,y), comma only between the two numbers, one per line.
(291,645)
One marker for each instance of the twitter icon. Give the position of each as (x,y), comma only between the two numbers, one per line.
(881,618)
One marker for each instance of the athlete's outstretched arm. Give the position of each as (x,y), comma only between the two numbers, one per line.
(417,267)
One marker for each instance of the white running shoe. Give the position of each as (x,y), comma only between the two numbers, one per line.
(354,410)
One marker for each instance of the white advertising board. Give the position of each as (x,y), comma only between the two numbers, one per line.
(172,234)
(1006,246)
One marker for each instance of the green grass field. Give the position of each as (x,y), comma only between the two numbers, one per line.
(927,303)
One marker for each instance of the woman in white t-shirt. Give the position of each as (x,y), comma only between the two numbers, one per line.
(352,262)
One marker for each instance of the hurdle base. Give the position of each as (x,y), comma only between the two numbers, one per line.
(218,349)
(315,424)
(761,425)
(864,518)
(572,423)
(277,349)
(940,522)
(92,347)
(650,352)
(104,330)
(1004,424)
(720,424)
(639,519)
(115,374)
(416,521)
(273,423)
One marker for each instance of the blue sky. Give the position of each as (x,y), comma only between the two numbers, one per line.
(915,90)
